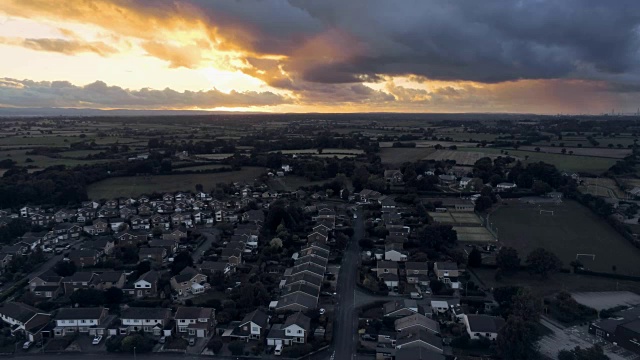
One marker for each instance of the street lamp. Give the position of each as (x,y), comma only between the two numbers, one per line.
(134,353)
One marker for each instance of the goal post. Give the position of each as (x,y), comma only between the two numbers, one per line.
(546,212)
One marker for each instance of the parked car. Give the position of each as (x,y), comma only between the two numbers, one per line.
(368,337)
(322,311)
(162,340)
(27,345)
(97,339)
(192,341)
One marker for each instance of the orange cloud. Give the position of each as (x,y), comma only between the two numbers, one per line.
(67,47)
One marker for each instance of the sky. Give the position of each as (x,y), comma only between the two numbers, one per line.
(503,56)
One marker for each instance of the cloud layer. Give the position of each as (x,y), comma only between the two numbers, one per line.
(26,93)
(327,51)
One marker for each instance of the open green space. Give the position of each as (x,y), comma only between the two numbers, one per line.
(401,155)
(575,163)
(572,229)
(137,185)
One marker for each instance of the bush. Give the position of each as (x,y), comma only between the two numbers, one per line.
(236,347)
(296,351)
(215,344)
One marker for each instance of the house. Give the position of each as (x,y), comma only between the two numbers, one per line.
(103,245)
(169,245)
(79,280)
(448,273)
(140,223)
(15,250)
(442,306)
(196,321)
(505,186)
(109,279)
(145,286)
(447,179)
(24,318)
(252,326)
(400,308)
(130,237)
(295,330)
(299,297)
(368,195)
(66,231)
(417,272)
(86,257)
(232,256)
(188,282)
(46,284)
(479,326)
(101,226)
(175,234)
(387,271)
(417,321)
(393,177)
(464,181)
(395,252)
(622,328)
(319,236)
(149,320)
(80,320)
(253,216)
(417,353)
(155,254)
(213,268)
(419,338)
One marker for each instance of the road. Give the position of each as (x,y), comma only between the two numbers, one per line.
(44,266)
(346,324)
(212,234)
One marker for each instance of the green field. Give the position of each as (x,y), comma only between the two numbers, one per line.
(572,229)
(401,155)
(41,161)
(138,185)
(200,167)
(562,162)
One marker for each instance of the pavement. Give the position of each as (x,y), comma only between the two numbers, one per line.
(211,235)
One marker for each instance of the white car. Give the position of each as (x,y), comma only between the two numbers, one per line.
(322,311)
(355,216)
(27,345)
(96,340)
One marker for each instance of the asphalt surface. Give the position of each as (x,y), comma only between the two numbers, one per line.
(346,325)
(212,234)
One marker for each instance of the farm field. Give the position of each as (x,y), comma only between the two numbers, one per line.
(572,229)
(427,143)
(200,167)
(603,187)
(460,156)
(587,164)
(41,161)
(400,155)
(584,151)
(293,182)
(138,185)
(324,151)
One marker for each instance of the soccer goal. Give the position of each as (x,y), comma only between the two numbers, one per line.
(546,212)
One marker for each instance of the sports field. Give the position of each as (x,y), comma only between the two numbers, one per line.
(456,218)
(571,230)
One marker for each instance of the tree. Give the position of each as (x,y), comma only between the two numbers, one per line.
(215,345)
(143,267)
(276,243)
(517,340)
(113,295)
(526,305)
(475,258)
(65,268)
(542,262)
(141,344)
(507,260)
(88,297)
(593,353)
(483,203)
(181,261)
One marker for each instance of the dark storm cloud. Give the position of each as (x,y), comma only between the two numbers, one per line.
(486,41)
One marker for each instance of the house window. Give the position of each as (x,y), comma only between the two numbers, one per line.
(599,333)
(386,270)
(299,331)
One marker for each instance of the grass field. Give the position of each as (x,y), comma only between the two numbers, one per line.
(584,151)
(400,155)
(576,163)
(572,229)
(200,167)
(138,185)
(41,161)
(461,157)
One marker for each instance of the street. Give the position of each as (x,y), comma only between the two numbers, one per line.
(346,321)
(212,234)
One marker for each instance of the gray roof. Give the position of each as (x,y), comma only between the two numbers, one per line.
(193,313)
(111,276)
(305,300)
(417,265)
(80,276)
(417,353)
(258,317)
(79,313)
(299,319)
(421,336)
(417,321)
(446,265)
(484,323)
(145,313)
(19,311)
